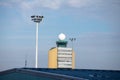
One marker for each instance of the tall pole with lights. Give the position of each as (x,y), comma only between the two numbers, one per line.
(73,54)
(37,19)
(72,40)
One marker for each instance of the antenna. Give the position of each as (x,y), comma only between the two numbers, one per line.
(25,63)
(25,60)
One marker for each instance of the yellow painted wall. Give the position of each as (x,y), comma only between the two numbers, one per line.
(52,58)
(73,60)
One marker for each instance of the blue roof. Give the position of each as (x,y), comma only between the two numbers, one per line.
(59,74)
(84,73)
(31,74)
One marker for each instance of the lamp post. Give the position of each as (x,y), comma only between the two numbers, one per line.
(37,19)
(73,61)
(72,40)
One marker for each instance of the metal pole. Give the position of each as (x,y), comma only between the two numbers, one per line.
(25,60)
(72,45)
(36,63)
(72,40)
(36,19)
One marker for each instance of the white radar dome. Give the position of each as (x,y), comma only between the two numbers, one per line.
(61,36)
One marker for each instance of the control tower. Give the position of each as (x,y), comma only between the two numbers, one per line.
(61,56)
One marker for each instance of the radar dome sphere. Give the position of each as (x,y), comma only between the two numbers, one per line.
(61,36)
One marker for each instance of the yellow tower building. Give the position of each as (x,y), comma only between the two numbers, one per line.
(61,56)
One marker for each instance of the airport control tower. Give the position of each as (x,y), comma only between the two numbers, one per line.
(61,56)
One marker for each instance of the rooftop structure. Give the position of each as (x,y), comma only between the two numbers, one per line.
(59,74)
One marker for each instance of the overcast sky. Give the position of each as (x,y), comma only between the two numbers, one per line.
(94,23)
